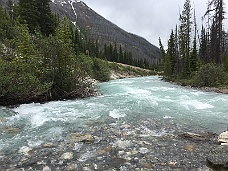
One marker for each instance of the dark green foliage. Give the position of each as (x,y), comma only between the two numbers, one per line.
(45,19)
(101,71)
(37,15)
(17,82)
(203,50)
(209,75)
(34,67)
(184,63)
(193,57)
(28,14)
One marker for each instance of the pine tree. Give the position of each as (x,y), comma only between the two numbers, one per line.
(161,47)
(45,17)
(115,53)
(120,55)
(185,38)
(193,55)
(25,46)
(105,51)
(170,62)
(217,33)
(28,14)
(10,9)
(203,47)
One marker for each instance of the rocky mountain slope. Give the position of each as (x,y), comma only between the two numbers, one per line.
(98,28)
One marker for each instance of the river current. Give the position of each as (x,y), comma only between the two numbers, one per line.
(120,101)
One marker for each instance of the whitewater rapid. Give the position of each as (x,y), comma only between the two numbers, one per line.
(121,101)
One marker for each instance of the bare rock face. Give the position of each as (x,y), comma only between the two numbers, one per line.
(223,138)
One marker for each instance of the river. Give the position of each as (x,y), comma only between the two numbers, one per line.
(121,101)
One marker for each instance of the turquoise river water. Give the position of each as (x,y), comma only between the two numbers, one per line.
(121,100)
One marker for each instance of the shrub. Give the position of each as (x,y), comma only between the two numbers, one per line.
(209,75)
(101,71)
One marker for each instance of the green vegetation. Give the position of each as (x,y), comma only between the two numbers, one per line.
(207,65)
(45,58)
(40,58)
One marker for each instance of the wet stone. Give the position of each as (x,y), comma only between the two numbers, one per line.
(67,156)
(75,137)
(146,145)
(218,157)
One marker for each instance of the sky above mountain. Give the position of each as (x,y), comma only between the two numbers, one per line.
(150,19)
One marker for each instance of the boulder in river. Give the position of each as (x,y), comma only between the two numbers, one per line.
(198,137)
(75,138)
(223,138)
(218,158)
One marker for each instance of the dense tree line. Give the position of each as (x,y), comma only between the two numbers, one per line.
(195,57)
(41,56)
(114,53)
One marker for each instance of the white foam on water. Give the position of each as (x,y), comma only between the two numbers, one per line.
(34,143)
(197,93)
(196,104)
(164,89)
(87,156)
(38,120)
(116,114)
(139,92)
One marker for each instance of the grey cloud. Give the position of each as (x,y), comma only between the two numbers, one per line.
(150,19)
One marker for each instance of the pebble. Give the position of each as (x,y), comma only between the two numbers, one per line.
(67,156)
(46,168)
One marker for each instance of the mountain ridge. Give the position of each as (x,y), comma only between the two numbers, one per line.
(96,27)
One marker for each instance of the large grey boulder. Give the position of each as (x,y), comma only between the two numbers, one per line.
(223,138)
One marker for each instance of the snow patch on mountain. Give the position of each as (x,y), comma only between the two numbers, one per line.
(72,6)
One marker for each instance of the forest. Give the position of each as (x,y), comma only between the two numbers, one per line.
(198,58)
(43,57)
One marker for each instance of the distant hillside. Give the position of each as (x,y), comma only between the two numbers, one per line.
(98,28)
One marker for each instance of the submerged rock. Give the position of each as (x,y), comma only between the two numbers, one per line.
(218,157)
(9,130)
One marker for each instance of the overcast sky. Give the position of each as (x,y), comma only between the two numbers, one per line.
(150,19)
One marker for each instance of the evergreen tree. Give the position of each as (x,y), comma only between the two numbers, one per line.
(25,46)
(120,55)
(203,47)
(193,57)
(28,14)
(110,53)
(161,47)
(105,51)
(10,9)
(169,60)
(185,38)
(115,53)
(217,33)
(45,17)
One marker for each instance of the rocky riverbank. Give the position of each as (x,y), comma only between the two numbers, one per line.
(117,146)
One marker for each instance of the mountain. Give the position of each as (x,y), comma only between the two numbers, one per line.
(104,31)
